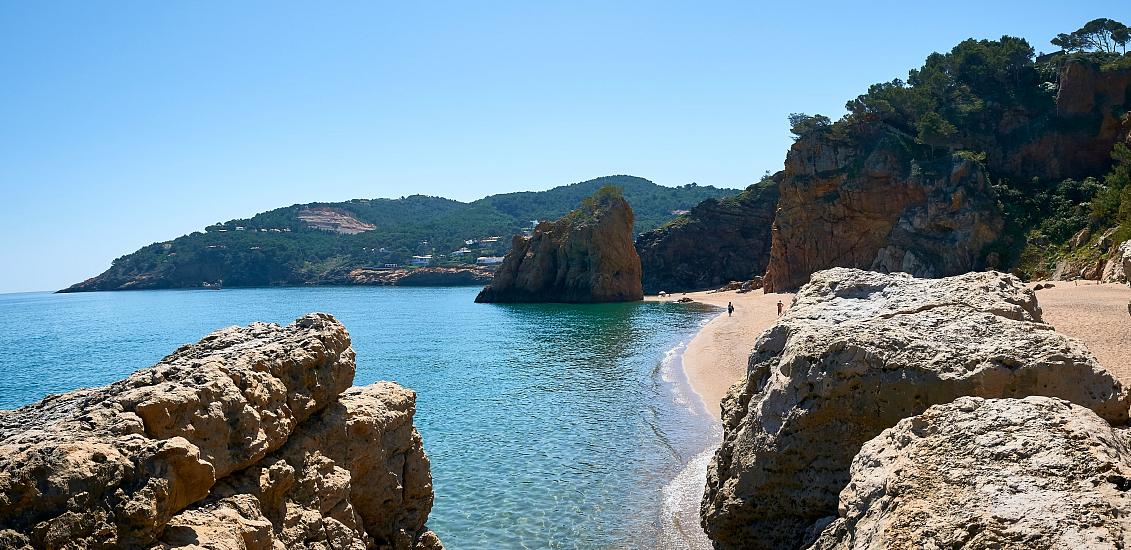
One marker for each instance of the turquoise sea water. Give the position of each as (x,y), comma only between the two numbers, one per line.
(548,426)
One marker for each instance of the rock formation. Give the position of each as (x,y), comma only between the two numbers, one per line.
(1090,103)
(856,353)
(867,203)
(586,256)
(421,276)
(1118,266)
(250,438)
(717,242)
(1036,472)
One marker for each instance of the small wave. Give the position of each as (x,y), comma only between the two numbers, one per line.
(670,371)
(679,511)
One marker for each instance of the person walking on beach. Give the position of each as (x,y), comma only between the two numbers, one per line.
(779,308)
(730,308)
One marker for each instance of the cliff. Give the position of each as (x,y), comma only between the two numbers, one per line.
(870,194)
(251,438)
(869,203)
(718,241)
(857,353)
(586,256)
(975,161)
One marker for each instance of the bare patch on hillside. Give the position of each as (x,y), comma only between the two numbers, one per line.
(331,219)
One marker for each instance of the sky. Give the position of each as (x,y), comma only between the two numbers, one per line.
(126,123)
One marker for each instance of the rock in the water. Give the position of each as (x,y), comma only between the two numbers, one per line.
(856,353)
(1032,473)
(586,256)
(154,459)
(720,240)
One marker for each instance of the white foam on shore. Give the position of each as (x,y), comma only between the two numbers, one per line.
(672,372)
(679,510)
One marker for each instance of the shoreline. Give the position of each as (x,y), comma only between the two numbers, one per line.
(717,355)
(713,360)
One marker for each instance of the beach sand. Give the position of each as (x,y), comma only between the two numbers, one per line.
(1095,314)
(716,357)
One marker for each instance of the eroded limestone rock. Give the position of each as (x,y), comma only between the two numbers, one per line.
(856,353)
(162,454)
(1032,473)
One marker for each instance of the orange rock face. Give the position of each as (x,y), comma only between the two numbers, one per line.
(586,256)
(878,208)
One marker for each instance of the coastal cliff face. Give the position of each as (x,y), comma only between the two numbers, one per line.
(874,197)
(251,438)
(717,242)
(879,190)
(858,352)
(867,203)
(1088,121)
(586,256)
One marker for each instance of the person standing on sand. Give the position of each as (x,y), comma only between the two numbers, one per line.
(730,308)
(779,308)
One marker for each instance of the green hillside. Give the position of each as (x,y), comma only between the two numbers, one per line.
(278,247)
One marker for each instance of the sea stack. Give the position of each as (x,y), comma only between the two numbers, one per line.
(586,256)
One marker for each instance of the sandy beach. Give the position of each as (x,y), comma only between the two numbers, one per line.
(1095,314)
(716,357)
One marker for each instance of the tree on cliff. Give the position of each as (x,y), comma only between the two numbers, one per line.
(801,124)
(1098,35)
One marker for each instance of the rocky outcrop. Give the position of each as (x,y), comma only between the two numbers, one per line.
(248,439)
(1036,472)
(1118,265)
(586,256)
(422,276)
(868,203)
(858,352)
(720,240)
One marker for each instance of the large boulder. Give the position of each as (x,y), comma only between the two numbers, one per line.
(586,256)
(154,458)
(720,240)
(857,352)
(1024,473)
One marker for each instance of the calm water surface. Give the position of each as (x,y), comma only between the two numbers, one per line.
(549,426)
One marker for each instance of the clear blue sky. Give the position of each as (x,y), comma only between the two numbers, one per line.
(125,123)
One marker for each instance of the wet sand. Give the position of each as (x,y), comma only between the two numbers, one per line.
(716,357)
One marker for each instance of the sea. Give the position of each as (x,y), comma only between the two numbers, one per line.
(547,425)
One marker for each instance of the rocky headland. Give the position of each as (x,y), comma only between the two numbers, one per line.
(886,411)
(250,439)
(718,241)
(913,180)
(586,256)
